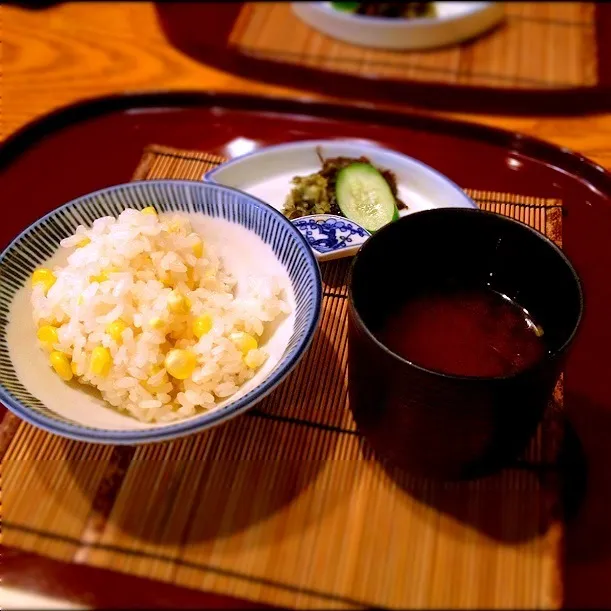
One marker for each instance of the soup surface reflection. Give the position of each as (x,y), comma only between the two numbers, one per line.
(475,332)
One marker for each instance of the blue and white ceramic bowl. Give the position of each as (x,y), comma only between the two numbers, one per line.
(256,238)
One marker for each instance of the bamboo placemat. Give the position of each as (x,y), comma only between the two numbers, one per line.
(285,504)
(540,45)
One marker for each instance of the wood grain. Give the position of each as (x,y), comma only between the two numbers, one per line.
(55,56)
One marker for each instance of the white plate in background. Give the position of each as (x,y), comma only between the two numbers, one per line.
(456,22)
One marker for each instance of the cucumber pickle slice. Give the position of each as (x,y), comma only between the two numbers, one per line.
(364,196)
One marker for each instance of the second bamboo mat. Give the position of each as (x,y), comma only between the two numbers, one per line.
(539,45)
(285,504)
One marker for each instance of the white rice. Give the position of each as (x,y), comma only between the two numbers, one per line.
(137,251)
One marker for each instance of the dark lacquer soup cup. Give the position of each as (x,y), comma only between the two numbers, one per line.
(434,423)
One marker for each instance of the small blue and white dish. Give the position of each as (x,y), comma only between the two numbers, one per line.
(267,173)
(261,237)
(331,236)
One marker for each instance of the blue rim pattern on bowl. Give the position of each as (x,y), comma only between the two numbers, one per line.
(40,241)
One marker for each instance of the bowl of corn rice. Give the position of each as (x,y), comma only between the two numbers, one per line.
(151,310)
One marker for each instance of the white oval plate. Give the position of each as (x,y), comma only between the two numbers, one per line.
(457,21)
(267,175)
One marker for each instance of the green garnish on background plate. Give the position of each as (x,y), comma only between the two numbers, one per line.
(348,7)
(400,10)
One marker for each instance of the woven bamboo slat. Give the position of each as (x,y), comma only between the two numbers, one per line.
(539,45)
(286,504)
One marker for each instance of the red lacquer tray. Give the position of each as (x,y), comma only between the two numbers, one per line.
(98,143)
(544,58)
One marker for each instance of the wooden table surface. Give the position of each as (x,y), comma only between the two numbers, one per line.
(54,56)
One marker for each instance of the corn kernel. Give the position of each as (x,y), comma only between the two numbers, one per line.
(176,225)
(190,280)
(156,323)
(166,278)
(45,277)
(180,363)
(179,304)
(61,364)
(100,361)
(181,331)
(154,388)
(115,330)
(252,360)
(74,368)
(154,369)
(51,320)
(198,248)
(83,242)
(202,325)
(101,277)
(244,342)
(149,210)
(47,335)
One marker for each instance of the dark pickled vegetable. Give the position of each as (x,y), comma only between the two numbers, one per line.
(316,193)
(398,10)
